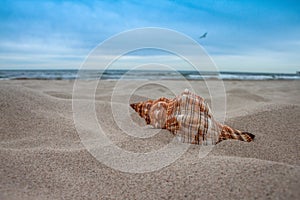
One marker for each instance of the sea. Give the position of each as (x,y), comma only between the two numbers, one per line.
(140,75)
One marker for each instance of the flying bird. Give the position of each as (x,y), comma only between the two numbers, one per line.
(203,36)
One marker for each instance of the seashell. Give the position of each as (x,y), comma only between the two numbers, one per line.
(189,117)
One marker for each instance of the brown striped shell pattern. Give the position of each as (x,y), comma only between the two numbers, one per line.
(189,117)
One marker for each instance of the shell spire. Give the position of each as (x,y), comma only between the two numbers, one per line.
(189,117)
(142,108)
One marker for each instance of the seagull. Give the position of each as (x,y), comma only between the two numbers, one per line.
(203,36)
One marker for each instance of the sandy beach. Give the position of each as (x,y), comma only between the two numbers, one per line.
(42,156)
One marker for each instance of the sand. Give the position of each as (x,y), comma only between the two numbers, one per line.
(42,156)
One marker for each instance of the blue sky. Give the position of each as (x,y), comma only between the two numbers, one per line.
(242,35)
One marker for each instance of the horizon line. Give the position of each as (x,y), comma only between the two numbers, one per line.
(153,70)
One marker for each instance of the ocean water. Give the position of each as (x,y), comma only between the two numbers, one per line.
(138,74)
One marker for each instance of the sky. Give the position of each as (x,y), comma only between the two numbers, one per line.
(248,36)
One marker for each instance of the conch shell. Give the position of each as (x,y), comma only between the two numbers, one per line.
(189,117)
